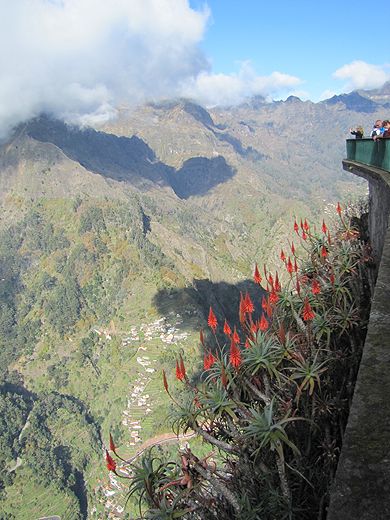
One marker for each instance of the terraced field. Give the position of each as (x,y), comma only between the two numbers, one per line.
(26,502)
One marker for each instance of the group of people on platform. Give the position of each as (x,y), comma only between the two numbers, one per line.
(381,129)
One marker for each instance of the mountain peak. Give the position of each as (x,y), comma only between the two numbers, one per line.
(354,101)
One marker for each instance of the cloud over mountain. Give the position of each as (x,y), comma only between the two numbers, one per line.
(80,59)
(360,74)
(221,89)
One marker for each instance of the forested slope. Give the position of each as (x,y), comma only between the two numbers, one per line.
(163,212)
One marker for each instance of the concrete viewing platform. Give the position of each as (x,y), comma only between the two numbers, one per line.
(362,485)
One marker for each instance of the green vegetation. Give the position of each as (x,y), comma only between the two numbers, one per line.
(273,403)
(36,455)
(94,265)
(87,253)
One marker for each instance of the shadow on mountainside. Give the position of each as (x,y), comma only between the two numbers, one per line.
(224,298)
(124,159)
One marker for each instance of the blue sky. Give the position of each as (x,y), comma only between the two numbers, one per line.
(82,59)
(303,38)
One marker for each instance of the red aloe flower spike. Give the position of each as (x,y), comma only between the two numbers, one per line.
(271,280)
(247,344)
(165,382)
(315,287)
(295,265)
(226,329)
(329,241)
(277,283)
(212,359)
(243,309)
(264,303)
(182,367)
(212,320)
(304,236)
(308,314)
(292,248)
(206,362)
(339,208)
(298,287)
(306,226)
(112,445)
(296,227)
(263,323)
(274,297)
(282,256)
(224,380)
(324,252)
(301,224)
(235,355)
(257,275)
(289,266)
(254,328)
(111,464)
(248,303)
(179,375)
(235,337)
(269,309)
(324,228)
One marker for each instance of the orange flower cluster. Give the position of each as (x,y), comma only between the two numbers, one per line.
(235,354)
(212,321)
(308,314)
(209,360)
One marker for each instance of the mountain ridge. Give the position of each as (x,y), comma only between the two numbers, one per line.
(164,211)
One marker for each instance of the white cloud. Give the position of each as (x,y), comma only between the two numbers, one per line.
(328,94)
(362,75)
(221,89)
(81,58)
(302,94)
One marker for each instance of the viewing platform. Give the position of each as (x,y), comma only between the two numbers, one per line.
(362,485)
(370,152)
(371,160)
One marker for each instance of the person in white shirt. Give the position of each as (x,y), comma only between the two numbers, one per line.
(378,128)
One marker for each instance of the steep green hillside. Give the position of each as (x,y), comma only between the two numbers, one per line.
(118,239)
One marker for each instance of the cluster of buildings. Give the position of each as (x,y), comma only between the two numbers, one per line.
(161,328)
(140,399)
(102,333)
(139,402)
(107,499)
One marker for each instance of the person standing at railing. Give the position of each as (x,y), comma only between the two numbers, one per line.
(359,132)
(386,133)
(378,128)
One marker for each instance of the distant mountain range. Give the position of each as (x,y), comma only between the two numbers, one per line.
(164,210)
(243,173)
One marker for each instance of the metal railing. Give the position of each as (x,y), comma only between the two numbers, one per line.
(367,151)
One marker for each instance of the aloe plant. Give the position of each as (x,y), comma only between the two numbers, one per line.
(277,451)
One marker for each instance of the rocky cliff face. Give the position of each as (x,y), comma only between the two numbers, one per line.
(227,183)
